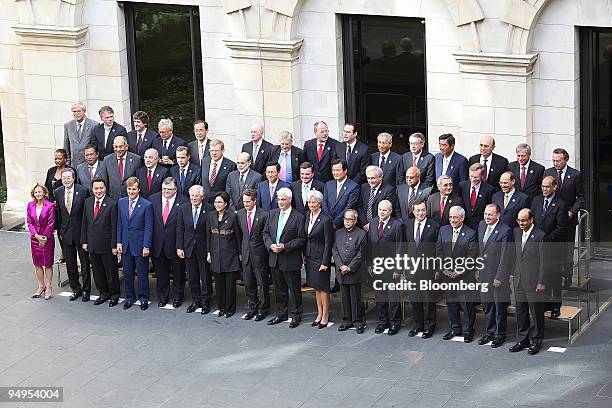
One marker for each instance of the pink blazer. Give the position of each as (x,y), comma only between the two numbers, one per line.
(44,225)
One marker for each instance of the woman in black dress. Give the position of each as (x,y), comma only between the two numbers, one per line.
(53,181)
(317,255)
(224,249)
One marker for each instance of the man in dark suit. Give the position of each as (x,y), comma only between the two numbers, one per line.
(529,279)
(285,236)
(421,159)
(255,270)
(385,236)
(497,253)
(509,199)
(185,173)
(104,133)
(475,194)
(289,157)
(215,170)
(439,204)
(91,169)
(372,193)
(134,241)
(421,234)
(199,148)
(349,251)
(412,191)
(458,241)
(99,239)
(241,179)
(259,149)
(167,143)
(354,152)
(390,162)
(163,254)
(527,173)
(267,189)
(449,162)
(151,175)
(319,151)
(191,246)
(70,199)
(141,138)
(340,194)
(494,164)
(302,187)
(118,167)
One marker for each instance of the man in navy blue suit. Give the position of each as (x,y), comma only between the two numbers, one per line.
(141,138)
(185,173)
(341,194)
(449,162)
(320,151)
(151,175)
(167,143)
(509,199)
(134,241)
(266,190)
(418,157)
(105,132)
(354,152)
(258,148)
(390,162)
(475,194)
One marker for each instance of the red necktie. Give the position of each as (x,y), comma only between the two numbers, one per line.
(96,209)
(380,230)
(149,180)
(249,221)
(523,176)
(473,198)
(166,212)
(414,160)
(121,168)
(559,179)
(213,175)
(442,202)
(320,152)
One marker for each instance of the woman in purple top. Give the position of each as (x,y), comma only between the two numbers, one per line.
(40,217)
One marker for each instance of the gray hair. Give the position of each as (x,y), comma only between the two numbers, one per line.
(167,123)
(170,180)
(419,136)
(316,194)
(444,177)
(524,146)
(354,212)
(68,170)
(457,209)
(217,142)
(197,187)
(387,135)
(78,104)
(285,135)
(150,150)
(106,109)
(246,155)
(377,169)
(121,137)
(285,192)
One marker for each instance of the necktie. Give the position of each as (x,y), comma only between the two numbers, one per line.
(213,174)
(91,173)
(139,140)
(121,168)
(182,180)
(380,230)
(241,183)
(486,170)
(523,177)
(524,240)
(338,189)
(288,175)
(69,201)
(506,200)
(149,179)
(349,151)
(320,152)
(96,209)
(79,131)
(130,208)
(417,235)
(455,236)
(560,179)
(202,147)
(545,206)
(305,191)
(442,203)
(283,167)
(166,212)
(281,225)
(195,217)
(414,161)
(164,151)
(370,212)
(473,198)
(382,162)
(249,221)
(412,195)
(272,189)
(106,133)
(487,234)
(255,151)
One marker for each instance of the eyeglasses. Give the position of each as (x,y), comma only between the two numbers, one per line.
(350,219)
(168,189)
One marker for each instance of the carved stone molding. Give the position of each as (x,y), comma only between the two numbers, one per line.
(267,50)
(495,63)
(51,36)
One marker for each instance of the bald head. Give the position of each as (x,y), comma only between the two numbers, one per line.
(413,176)
(487,144)
(256,132)
(384,210)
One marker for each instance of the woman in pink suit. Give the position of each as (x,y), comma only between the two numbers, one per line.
(40,218)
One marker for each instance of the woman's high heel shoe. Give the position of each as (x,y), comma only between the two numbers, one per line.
(48,295)
(39,294)
(315,323)
(323,325)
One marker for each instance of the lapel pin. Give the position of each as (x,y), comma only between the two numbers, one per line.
(463,233)
(530,171)
(138,206)
(224,167)
(569,177)
(76,193)
(513,200)
(350,238)
(104,205)
(479,195)
(553,204)
(452,167)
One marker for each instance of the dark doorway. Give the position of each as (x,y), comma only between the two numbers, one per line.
(384,71)
(165,64)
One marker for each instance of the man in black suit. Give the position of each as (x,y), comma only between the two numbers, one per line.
(349,252)
(215,170)
(354,152)
(151,175)
(289,157)
(421,159)
(259,149)
(497,253)
(185,173)
(199,148)
(527,173)
(390,162)
(255,270)
(372,193)
(241,179)
(494,164)
(457,241)
(449,162)
(410,192)
(439,204)
(163,254)
(475,194)
(509,199)
(421,234)
(70,199)
(192,247)
(319,151)
(104,134)
(301,188)
(385,236)
(529,279)
(285,236)
(167,143)
(340,194)
(141,138)
(99,240)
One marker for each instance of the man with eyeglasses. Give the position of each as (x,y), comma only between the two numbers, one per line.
(354,152)
(151,175)
(199,148)
(215,169)
(241,179)
(421,159)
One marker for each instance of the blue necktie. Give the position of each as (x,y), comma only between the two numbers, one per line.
(288,175)
(545,206)
(281,225)
(195,217)
(182,180)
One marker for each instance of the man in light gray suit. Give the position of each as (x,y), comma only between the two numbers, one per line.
(78,133)
(241,179)
(118,167)
(91,169)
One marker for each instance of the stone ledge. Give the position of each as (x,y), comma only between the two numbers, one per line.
(495,63)
(267,50)
(45,35)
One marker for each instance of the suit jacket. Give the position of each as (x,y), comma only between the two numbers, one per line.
(533,179)
(296,156)
(426,165)
(232,186)
(147,141)
(164,235)
(347,198)
(466,246)
(157,177)
(393,170)
(403,198)
(253,247)
(390,242)
(193,173)
(263,156)
(457,168)
(116,185)
(322,169)
(433,207)
(296,189)
(320,239)
(496,165)
(359,160)
(104,149)
(517,202)
(223,242)
(194,151)
(158,144)
(554,221)
(382,193)
(484,196)
(530,267)
(572,191)
(82,174)
(99,234)
(497,253)
(69,224)
(350,249)
(429,237)
(188,237)
(224,168)
(43,225)
(75,145)
(293,236)
(264,201)
(136,232)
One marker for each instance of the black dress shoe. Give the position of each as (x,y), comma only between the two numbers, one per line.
(519,347)
(535,348)
(161,303)
(229,314)
(498,342)
(85,297)
(251,314)
(144,305)
(259,317)
(484,339)
(427,334)
(205,310)
(276,320)
(295,322)
(468,338)
(414,332)
(113,302)
(221,314)
(100,300)
(360,329)
(193,307)
(393,330)
(344,327)
(450,335)
(177,303)
(380,328)
(128,304)
(75,296)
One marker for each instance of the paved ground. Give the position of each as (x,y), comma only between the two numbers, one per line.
(112,358)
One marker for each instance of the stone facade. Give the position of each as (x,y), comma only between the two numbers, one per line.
(508,68)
